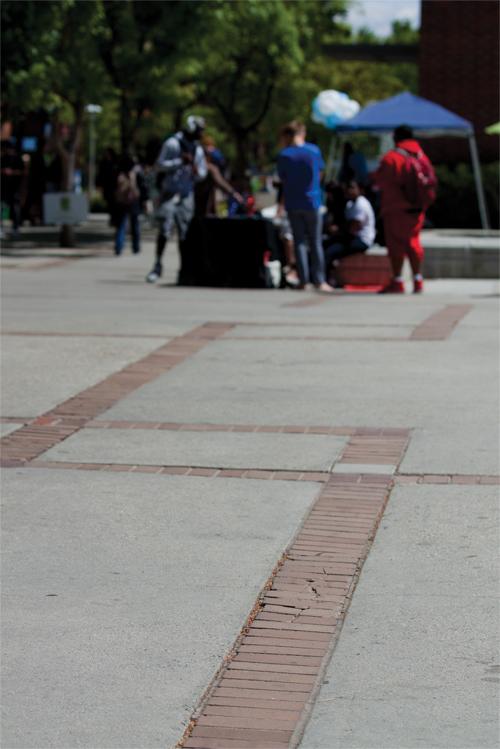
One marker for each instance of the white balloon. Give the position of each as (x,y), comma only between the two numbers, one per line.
(333,106)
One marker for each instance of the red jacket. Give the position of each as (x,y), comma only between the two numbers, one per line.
(388,178)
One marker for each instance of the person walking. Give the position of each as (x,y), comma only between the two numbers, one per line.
(407,183)
(180,164)
(300,165)
(129,199)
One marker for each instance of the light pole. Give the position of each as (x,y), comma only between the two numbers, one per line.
(92,110)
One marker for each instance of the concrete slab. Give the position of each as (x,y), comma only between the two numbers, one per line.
(422,384)
(417,661)
(79,295)
(123,593)
(212,384)
(100,660)
(38,373)
(293,452)
(333,330)
(471,450)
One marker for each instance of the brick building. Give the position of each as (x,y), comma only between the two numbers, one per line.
(459,69)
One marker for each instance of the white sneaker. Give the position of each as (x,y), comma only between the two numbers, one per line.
(154,275)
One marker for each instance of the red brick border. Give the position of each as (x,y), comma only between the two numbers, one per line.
(386,449)
(275,668)
(269,475)
(273,672)
(436,327)
(53,427)
(384,446)
(445,478)
(171,470)
(439,326)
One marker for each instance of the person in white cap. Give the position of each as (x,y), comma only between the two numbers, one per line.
(180,164)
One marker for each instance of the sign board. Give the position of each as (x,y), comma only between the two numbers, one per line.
(64,207)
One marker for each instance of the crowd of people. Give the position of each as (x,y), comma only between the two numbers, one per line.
(189,169)
(185,177)
(403,187)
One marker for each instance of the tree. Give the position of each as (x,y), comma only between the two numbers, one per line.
(247,65)
(252,51)
(57,67)
(144,46)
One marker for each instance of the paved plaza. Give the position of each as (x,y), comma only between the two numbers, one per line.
(245,518)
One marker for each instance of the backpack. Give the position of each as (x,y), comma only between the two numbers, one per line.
(186,146)
(127,191)
(419,180)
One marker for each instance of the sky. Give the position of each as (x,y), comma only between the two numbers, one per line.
(378,14)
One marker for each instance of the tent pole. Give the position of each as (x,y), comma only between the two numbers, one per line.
(476,168)
(331,158)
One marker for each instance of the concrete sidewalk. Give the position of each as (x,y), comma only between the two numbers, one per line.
(188,469)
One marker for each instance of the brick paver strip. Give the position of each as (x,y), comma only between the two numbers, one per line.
(32,440)
(242,473)
(451,478)
(267,684)
(263,693)
(439,326)
(368,449)
(275,475)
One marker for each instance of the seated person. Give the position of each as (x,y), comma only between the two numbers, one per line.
(359,232)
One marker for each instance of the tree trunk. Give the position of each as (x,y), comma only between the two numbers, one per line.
(67,233)
(68,155)
(125,124)
(241,164)
(67,236)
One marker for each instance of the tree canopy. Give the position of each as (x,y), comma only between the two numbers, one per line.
(247,65)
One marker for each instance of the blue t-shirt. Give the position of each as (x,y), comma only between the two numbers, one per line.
(299,169)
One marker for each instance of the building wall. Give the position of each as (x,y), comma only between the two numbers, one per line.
(459,69)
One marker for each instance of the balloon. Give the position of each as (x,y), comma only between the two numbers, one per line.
(331,107)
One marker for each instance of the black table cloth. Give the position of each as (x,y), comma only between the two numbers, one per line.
(228,251)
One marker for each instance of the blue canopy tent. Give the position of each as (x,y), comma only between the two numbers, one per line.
(427,120)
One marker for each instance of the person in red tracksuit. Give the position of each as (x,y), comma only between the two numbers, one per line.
(402,222)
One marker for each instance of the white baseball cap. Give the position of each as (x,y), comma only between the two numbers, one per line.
(194,123)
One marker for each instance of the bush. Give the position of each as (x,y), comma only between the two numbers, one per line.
(456,205)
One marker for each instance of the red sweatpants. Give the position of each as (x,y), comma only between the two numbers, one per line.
(402,238)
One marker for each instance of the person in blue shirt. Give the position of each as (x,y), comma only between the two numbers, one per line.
(300,165)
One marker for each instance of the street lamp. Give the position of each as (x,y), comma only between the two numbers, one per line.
(92,110)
